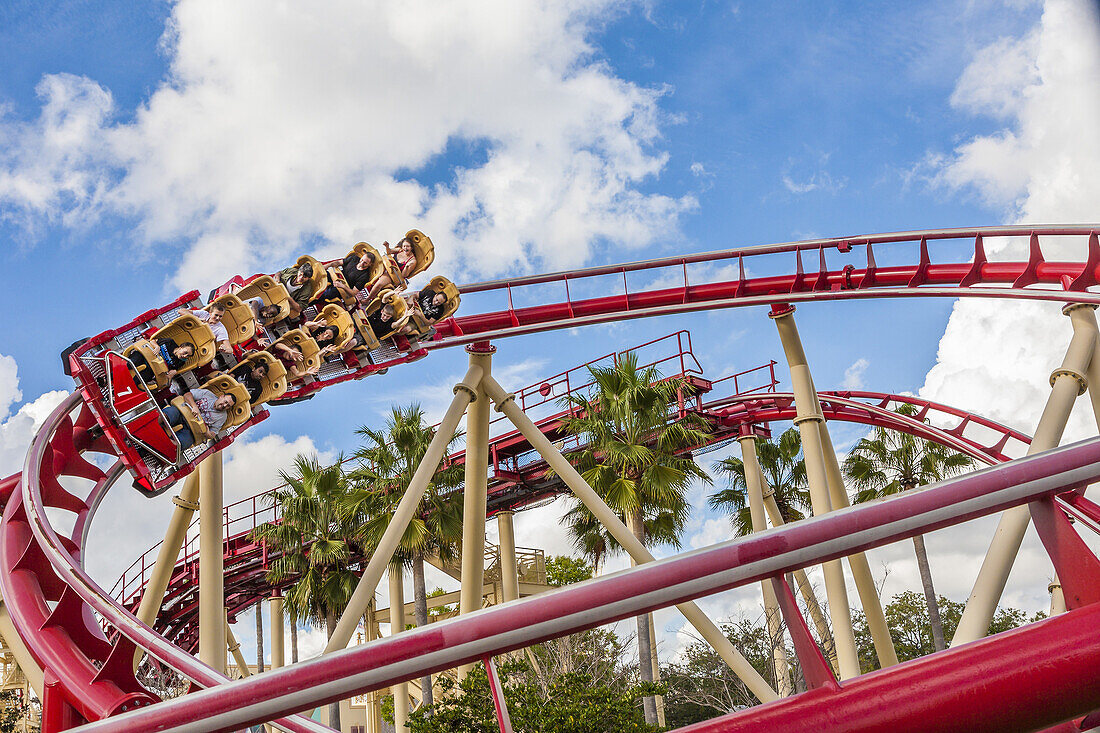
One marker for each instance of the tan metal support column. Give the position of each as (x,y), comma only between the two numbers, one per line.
(397,625)
(212,644)
(506,404)
(655,663)
(473,493)
(187,503)
(465,392)
(31,670)
(861,569)
(809,414)
(235,650)
(1067,383)
(771,604)
(278,653)
(824,633)
(509,574)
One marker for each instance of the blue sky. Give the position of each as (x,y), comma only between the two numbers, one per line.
(144,152)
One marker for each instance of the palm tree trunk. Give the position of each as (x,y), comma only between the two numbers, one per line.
(259,637)
(645,642)
(331,620)
(929,592)
(293,640)
(420,608)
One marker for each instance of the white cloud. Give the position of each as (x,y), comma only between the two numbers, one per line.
(309,122)
(853,375)
(995,357)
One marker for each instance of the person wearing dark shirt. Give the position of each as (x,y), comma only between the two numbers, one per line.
(431,303)
(381,321)
(251,377)
(174,358)
(356,273)
(298,285)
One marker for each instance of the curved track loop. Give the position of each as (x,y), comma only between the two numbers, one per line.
(53,602)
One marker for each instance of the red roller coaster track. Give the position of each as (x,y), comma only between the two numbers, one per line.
(1039,676)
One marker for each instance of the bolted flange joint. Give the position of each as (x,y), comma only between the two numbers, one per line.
(1070,307)
(1082,382)
(510,397)
(180,502)
(813,417)
(779,310)
(460,387)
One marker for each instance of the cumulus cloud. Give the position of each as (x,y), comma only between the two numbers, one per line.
(316,125)
(18,429)
(853,375)
(995,357)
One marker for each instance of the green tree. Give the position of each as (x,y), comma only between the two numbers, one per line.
(907,617)
(565,570)
(386,464)
(312,543)
(574,704)
(890,462)
(636,456)
(784,469)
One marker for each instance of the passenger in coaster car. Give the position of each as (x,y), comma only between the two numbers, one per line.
(293,359)
(213,319)
(211,410)
(405,258)
(298,285)
(251,376)
(381,321)
(356,272)
(174,357)
(265,316)
(326,336)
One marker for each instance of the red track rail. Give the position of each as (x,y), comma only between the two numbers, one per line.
(49,596)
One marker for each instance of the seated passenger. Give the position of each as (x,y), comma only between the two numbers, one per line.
(251,377)
(264,314)
(174,358)
(327,337)
(212,412)
(405,258)
(381,321)
(213,318)
(356,272)
(430,302)
(298,285)
(292,359)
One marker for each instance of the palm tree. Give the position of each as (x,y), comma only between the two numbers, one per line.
(890,462)
(313,542)
(636,457)
(387,462)
(785,471)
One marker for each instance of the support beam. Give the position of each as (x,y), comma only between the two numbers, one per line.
(212,644)
(275,610)
(465,392)
(809,597)
(509,574)
(1067,383)
(506,404)
(235,650)
(187,503)
(755,490)
(397,625)
(808,415)
(861,569)
(474,492)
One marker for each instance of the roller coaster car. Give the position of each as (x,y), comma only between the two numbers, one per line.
(274,383)
(420,324)
(238,319)
(270,292)
(187,329)
(136,410)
